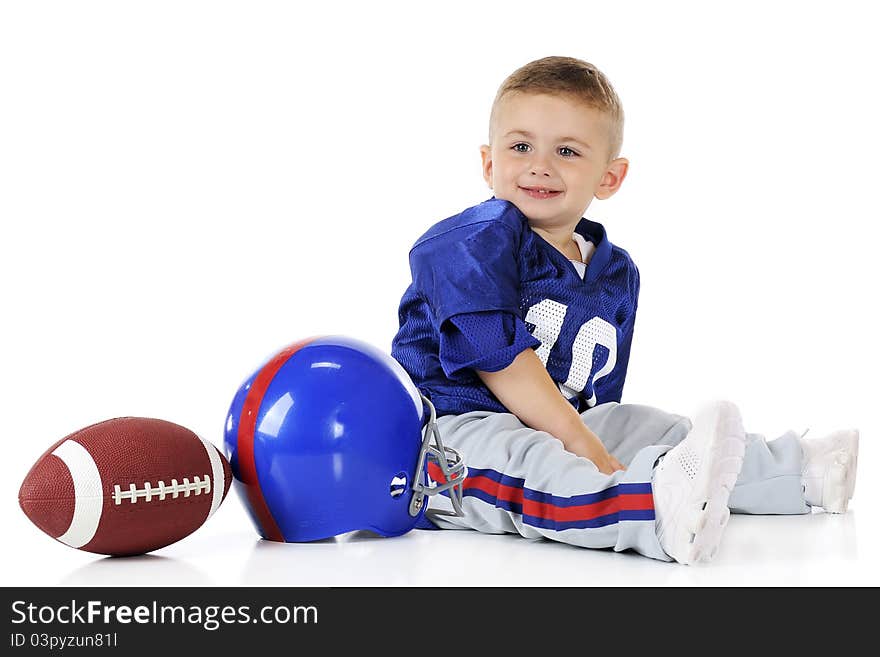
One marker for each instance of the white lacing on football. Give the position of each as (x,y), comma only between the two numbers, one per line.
(197,486)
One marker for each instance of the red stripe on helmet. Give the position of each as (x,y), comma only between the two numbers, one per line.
(247,425)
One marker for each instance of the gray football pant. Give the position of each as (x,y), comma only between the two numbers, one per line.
(523,481)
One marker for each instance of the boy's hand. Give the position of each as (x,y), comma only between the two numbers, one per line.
(526,390)
(595,451)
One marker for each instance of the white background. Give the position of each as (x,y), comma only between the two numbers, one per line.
(186,187)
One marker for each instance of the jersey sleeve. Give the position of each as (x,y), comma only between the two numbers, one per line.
(634,283)
(615,393)
(486,341)
(469,269)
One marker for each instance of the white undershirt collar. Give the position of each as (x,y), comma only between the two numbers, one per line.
(587,249)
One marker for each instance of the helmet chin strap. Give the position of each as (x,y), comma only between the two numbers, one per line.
(450,463)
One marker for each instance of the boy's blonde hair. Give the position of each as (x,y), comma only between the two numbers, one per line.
(572,78)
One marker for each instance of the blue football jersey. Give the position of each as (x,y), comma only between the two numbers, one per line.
(485,287)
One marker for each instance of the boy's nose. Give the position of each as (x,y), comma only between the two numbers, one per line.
(540,166)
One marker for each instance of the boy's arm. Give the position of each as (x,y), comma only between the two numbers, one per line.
(525,388)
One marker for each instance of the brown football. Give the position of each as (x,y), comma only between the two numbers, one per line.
(125,486)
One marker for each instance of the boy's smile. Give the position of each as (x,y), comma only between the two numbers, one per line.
(549,157)
(540,192)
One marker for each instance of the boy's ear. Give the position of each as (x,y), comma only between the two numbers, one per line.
(613,178)
(486,155)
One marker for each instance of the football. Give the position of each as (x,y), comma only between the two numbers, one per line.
(125,486)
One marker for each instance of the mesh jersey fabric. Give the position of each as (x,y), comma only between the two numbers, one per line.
(485,287)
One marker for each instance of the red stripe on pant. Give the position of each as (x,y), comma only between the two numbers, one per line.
(514,495)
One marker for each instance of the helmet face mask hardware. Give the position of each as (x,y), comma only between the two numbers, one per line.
(330,436)
(452,468)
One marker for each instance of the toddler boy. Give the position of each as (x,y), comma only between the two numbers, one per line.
(518,326)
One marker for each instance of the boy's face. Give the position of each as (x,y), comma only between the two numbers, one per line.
(549,157)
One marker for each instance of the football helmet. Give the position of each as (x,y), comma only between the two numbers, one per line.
(330,436)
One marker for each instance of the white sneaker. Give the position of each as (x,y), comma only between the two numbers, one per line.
(692,484)
(829,473)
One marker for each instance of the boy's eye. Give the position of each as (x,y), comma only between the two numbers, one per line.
(525,147)
(566,151)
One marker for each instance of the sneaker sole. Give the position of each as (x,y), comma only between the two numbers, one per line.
(840,481)
(851,481)
(708,512)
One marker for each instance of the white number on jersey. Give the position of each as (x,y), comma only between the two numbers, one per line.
(547,318)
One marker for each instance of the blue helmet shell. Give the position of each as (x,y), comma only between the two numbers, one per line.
(325,438)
